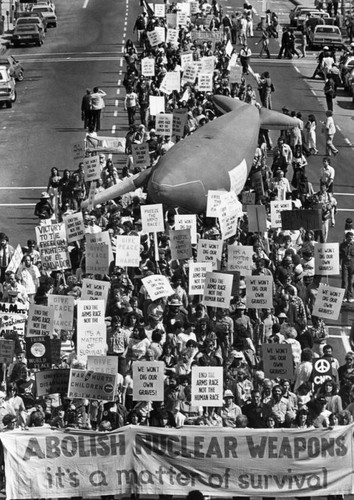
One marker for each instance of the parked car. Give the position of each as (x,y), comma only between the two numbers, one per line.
(295,13)
(311,16)
(27,34)
(49,2)
(7,87)
(34,19)
(347,69)
(47,12)
(326,35)
(14,67)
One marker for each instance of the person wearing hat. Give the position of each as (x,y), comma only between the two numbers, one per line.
(43,209)
(229,411)
(6,253)
(175,312)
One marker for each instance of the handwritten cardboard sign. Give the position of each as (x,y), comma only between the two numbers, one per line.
(127,251)
(259,292)
(278,361)
(74,227)
(97,258)
(181,245)
(16,259)
(92,168)
(141,154)
(183,221)
(164,124)
(40,321)
(276,208)
(53,247)
(95,290)
(240,258)
(52,382)
(7,350)
(63,307)
(152,218)
(103,364)
(327,259)
(207,386)
(157,286)
(217,290)
(91,328)
(197,272)
(257,218)
(148,380)
(328,302)
(210,251)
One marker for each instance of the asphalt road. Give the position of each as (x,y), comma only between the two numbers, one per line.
(85,50)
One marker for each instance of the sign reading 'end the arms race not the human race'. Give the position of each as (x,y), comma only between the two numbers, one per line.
(144,460)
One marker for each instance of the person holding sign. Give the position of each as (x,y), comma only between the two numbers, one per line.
(346,257)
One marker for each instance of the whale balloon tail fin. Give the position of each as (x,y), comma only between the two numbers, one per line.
(126,186)
(273,120)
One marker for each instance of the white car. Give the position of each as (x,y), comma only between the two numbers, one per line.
(47,12)
(7,87)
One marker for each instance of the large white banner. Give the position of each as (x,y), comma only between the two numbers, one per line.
(42,463)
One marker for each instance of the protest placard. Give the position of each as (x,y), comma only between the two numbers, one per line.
(13,318)
(127,251)
(184,221)
(182,18)
(92,168)
(326,259)
(156,104)
(7,350)
(208,64)
(148,380)
(40,321)
(197,272)
(91,196)
(257,218)
(103,364)
(210,251)
(173,81)
(63,307)
(148,67)
(102,237)
(152,218)
(157,286)
(181,245)
(278,361)
(257,181)
(276,208)
(235,73)
(186,59)
(91,328)
(141,156)
(52,382)
(85,384)
(16,259)
(42,352)
(248,198)
(259,292)
(160,9)
(240,258)
(179,120)
(161,33)
(164,124)
(109,145)
(321,371)
(172,36)
(77,152)
(97,258)
(153,37)
(171,19)
(228,214)
(53,247)
(205,82)
(190,73)
(213,201)
(217,290)
(306,219)
(95,290)
(207,386)
(74,227)
(328,302)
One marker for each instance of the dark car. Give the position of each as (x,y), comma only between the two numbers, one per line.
(33,19)
(27,34)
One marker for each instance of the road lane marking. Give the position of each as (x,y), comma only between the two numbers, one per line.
(116,102)
(23,188)
(85,4)
(348,141)
(338,128)
(296,69)
(344,194)
(314,93)
(115,113)
(17,204)
(114,129)
(345,209)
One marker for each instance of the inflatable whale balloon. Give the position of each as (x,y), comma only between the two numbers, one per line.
(217,156)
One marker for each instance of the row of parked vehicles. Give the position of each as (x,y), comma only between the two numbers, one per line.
(31,24)
(30,28)
(322,31)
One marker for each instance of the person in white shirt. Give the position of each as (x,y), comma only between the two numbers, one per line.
(329,130)
(28,275)
(97,104)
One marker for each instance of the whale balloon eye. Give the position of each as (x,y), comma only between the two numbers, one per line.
(238,177)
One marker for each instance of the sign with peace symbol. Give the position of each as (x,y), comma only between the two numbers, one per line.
(322,366)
